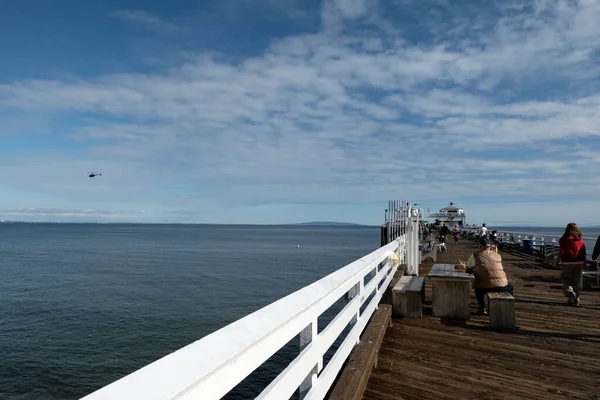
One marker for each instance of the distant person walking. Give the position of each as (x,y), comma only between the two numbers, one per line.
(444,231)
(456,233)
(484,231)
(572,259)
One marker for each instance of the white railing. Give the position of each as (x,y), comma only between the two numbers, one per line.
(412,234)
(540,240)
(404,221)
(210,367)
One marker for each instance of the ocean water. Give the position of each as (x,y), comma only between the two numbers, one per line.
(82,305)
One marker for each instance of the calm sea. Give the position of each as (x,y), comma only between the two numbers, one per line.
(82,305)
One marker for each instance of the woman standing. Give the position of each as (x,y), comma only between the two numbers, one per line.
(572,260)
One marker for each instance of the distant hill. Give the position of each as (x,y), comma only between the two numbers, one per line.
(328,223)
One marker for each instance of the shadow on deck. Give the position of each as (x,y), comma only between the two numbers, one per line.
(553,354)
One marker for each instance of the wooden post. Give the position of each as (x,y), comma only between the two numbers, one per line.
(384,234)
(407,297)
(501,308)
(451,299)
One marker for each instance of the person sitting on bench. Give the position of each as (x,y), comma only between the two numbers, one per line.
(486,266)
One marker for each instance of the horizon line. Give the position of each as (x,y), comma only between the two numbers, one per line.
(310,223)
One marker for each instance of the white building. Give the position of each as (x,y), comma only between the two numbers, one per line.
(450,216)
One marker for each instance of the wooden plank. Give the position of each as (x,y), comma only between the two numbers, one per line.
(447,271)
(501,310)
(500,296)
(451,299)
(551,355)
(407,297)
(353,380)
(416,284)
(402,283)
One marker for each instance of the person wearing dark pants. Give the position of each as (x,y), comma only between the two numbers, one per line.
(481,292)
(572,260)
(488,271)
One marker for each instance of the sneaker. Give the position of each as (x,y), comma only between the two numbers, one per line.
(576,302)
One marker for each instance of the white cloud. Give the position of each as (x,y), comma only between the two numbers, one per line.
(343,115)
(146,19)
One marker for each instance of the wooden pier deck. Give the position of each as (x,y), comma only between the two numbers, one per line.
(553,354)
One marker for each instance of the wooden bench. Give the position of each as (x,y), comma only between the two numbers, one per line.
(432,253)
(588,272)
(407,297)
(352,382)
(501,307)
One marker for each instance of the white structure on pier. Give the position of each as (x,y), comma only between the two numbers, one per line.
(450,216)
(210,367)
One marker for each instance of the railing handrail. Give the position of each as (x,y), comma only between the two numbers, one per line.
(541,235)
(210,367)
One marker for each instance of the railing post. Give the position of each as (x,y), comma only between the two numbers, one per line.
(361,290)
(408,237)
(417,252)
(412,245)
(307,335)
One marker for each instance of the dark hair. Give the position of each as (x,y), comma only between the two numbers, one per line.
(572,231)
(483,241)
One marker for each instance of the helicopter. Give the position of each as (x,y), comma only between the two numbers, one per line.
(93,174)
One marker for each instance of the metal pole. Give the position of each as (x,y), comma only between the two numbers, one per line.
(395,220)
(412,240)
(390,224)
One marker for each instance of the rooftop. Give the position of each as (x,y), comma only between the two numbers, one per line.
(451,207)
(552,355)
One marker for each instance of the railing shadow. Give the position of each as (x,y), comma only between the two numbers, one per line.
(524,332)
(541,278)
(546,303)
(528,265)
(454,322)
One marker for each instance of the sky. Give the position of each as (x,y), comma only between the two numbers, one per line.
(284,111)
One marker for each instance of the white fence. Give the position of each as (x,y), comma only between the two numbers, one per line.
(402,219)
(210,367)
(540,240)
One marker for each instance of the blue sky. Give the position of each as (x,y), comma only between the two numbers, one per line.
(279,111)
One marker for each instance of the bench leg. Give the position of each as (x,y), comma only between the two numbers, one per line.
(502,314)
(452,299)
(407,305)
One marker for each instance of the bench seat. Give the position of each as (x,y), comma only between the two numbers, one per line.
(407,297)
(501,308)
